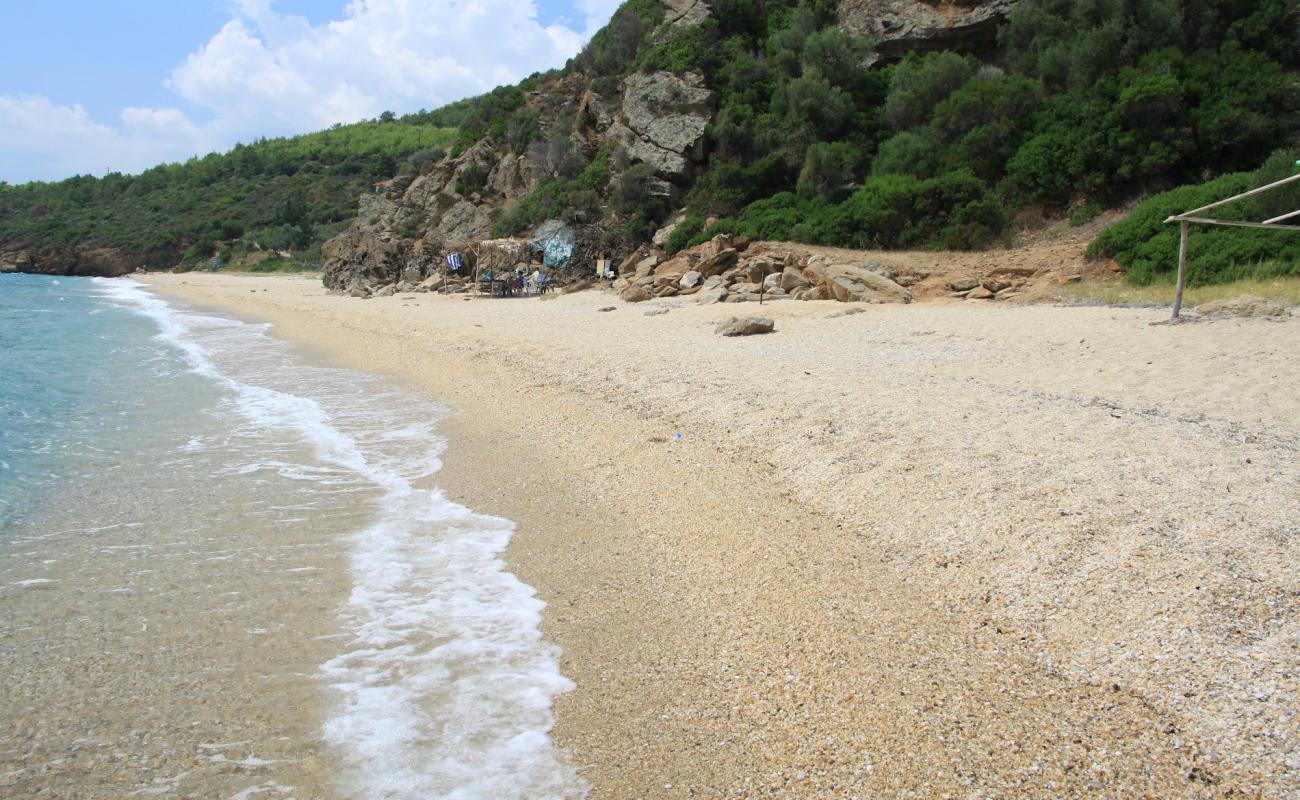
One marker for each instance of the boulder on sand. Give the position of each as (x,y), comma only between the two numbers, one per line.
(635,294)
(746,326)
(1245,305)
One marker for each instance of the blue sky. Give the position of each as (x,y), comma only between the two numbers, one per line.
(91,86)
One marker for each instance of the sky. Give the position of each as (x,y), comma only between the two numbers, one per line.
(89,86)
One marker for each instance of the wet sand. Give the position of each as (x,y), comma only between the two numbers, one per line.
(921,551)
(168,658)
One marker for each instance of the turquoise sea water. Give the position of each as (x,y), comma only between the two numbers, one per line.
(82,381)
(223,572)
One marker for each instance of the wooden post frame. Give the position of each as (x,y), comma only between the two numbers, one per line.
(1189,217)
(1182,268)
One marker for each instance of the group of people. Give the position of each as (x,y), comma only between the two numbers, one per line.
(517,283)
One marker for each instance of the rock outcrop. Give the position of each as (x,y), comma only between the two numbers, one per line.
(746,326)
(727,270)
(682,13)
(1245,305)
(658,119)
(655,118)
(663,121)
(98,262)
(898,27)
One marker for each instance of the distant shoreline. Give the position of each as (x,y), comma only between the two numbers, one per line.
(931,548)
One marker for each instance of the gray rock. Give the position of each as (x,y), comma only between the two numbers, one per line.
(963,284)
(513,176)
(682,13)
(897,27)
(714,295)
(661,236)
(646,266)
(689,279)
(746,326)
(883,270)
(850,283)
(1246,305)
(664,117)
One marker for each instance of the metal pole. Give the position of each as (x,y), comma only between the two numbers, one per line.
(1182,269)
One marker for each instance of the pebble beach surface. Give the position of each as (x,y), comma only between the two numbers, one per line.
(921,551)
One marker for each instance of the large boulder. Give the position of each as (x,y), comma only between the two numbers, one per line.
(715,294)
(853,283)
(746,326)
(675,267)
(717,264)
(663,121)
(898,27)
(792,278)
(636,294)
(1245,305)
(683,13)
(646,266)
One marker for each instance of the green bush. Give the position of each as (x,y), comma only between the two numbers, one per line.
(690,226)
(548,201)
(472,178)
(828,171)
(921,82)
(916,152)
(1147,247)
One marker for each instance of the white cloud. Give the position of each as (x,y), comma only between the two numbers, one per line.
(47,141)
(268,74)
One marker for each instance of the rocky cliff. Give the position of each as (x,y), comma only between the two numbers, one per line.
(105,262)
(898,27)
(655,118)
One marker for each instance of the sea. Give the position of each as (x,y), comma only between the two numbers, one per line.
(228,572)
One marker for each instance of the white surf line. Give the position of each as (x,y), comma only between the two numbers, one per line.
(446,687)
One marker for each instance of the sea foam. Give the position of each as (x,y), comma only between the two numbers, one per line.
(446,686)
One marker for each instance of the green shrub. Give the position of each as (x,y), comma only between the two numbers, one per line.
(687,229)
(472,178)
(916,152)
(921,82)
(548,201)
(1147,247)
(828,170)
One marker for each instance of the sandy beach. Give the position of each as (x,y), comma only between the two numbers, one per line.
(936,550)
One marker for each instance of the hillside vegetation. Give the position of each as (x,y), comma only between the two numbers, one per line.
(1078,107)
(1084,106)
(286,194)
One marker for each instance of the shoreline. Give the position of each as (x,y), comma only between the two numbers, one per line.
(829,585)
